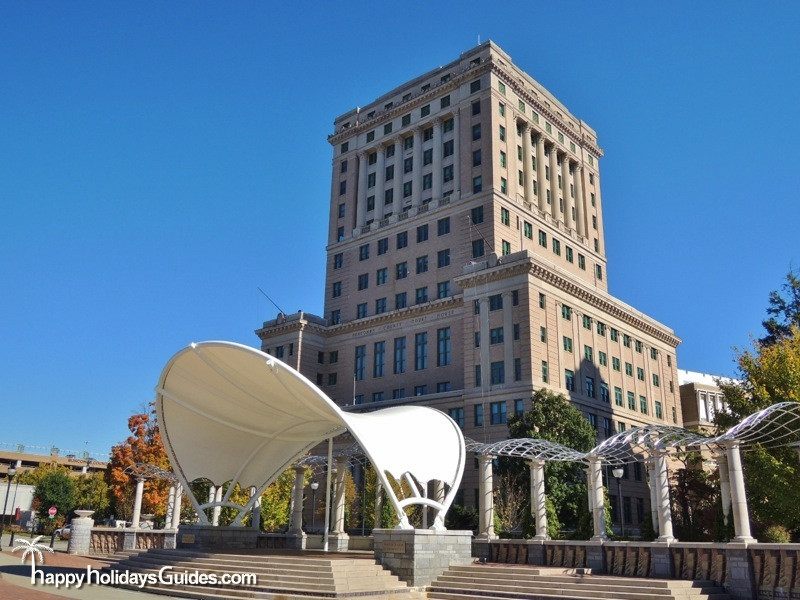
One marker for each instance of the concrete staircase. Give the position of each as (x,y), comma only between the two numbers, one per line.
(505,582)
(283,576)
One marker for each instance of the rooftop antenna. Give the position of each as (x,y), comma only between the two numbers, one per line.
(280,310)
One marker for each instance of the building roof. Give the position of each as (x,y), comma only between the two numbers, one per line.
(685,376)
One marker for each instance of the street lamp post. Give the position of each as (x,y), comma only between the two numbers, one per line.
(617,473)
(11,472)
(314,488)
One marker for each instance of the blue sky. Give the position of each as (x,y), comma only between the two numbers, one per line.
(159,161)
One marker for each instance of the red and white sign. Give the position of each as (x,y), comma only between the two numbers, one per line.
(52,511)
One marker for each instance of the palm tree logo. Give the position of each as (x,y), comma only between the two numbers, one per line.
(33,549)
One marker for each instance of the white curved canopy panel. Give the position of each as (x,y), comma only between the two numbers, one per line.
(229,412)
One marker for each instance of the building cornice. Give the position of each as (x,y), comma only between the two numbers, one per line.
(540,271)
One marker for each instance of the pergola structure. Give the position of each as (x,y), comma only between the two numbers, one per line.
(774,426)
(231,413)
(141,472)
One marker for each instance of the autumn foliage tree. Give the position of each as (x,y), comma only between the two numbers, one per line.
(144,445)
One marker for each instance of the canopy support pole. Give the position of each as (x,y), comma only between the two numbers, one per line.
(328,496)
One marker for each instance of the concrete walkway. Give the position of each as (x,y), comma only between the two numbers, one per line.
(15,581)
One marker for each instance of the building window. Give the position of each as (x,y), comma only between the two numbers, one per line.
(638,346)
(608,429)
(402,239)
(528,230)
(477,248)
(343,167)
(406,120)
(336,290)
(598,270)
(442,289)
(556,247)
(476,132)
(420,390)
(336,317)
(427,157)
(338,260)
(407,189)
(420,351)
(383,247)
(502,133)
(614,335)
(498,372)
(631,401)
(656,380)
(425,110)
(604,392)
(478,415)
(378,359)
(542,300)
(501,109)
(501,87)
(477,184)
(363,281)
(542,239)
(643,404)
(380,306)
(341,211)
(581,261)
(587,322)
(567,344)
(457,414)
(476,158)
(618,396)
(602,357)
(363,252)
(626,340)
(422,264)
(543,334)
(496,335)
(519,407)
(497,413)
(422,233)
(361,354)
(387,129)
(569,380)
(601,328)
(377,396)
(447,126)
(477,376)
(399,355)
(640,373)
(495,302)
(628,369)
(566,312)
(590,387)
(443,258)
(443,347)
(505,216)
(361,310)
(342,188)
(421,295)
(331,378)
(545,372)
(400,300)
(587,352)
(401,270)
(447,173)
(505,248)
(475,86)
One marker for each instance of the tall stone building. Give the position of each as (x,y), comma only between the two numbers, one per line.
(466,263)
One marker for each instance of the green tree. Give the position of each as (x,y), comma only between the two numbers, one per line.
(91,492)
(554,418)
(783,310)
(55,488)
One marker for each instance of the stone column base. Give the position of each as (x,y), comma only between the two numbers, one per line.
(419,556)
(338,542)
(296,541)
(80,537)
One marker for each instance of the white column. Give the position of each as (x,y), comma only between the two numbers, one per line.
(541,182)
(437,158)
(339,499)
(580,202)
(724,485)
(176,510)
(554,203)
(538,499)
(137,503)
(456,153)
(296,526)
(741,520)
(652,484)
(361,207)
(662,498)
(378,505)
(398,174)
(569,203)
(327,525)
(597,498)
(438,495)
(425,509)
(380,181)
(255,516)
(485,499)
(217,509)
(416,153)
(170,507)
(527,167)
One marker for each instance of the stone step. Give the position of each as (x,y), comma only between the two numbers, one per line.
(591,582)
(265,556)
(208,593)
(523,591)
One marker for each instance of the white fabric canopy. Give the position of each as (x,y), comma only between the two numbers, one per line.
(229,412)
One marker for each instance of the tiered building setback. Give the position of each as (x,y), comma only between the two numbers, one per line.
(466,264)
